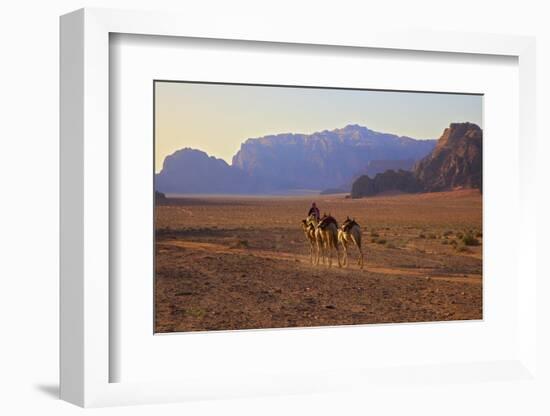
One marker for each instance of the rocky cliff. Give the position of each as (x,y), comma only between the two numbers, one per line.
(456,161)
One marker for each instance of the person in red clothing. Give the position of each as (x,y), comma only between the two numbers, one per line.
(314,211)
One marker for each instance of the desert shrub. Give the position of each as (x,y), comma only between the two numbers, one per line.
(431,236)
(422,235)
(479,234)
(445,242)
(469,240)
(240,244)
(462,249)
(373,233)
(381,241)
(373,240)
(459,235)
(454,242)
(391,245)
(447,233)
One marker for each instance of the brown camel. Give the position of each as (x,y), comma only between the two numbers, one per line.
(316,242)
(327,230)
(350,233)
(309,231)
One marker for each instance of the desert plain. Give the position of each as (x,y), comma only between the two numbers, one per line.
(243,262)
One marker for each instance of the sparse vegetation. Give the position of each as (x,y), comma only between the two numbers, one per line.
(240,244)
(462,249)
(469,240)
(194,312)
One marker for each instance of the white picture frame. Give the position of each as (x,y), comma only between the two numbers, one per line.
(85,356)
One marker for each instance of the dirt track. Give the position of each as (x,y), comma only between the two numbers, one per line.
(239,263)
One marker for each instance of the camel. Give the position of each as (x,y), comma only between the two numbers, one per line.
(314,238)
(350,233)
(309,231)
(327,230)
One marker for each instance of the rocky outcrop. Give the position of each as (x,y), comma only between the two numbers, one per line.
(391,180)
(455,162)
(160,198)
(375,167)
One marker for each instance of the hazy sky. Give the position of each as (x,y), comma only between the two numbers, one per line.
(217,118)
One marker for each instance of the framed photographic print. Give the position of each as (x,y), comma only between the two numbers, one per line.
(337,226)
(269,212)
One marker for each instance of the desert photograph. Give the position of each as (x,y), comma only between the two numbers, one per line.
(280,207)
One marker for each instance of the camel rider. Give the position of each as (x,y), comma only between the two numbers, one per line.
(314,211)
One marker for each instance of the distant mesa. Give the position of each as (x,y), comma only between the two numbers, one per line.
(192,171)
(283,163)
(455,162)
(160,198)
(390,180)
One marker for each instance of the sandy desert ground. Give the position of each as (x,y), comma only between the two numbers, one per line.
(226,263)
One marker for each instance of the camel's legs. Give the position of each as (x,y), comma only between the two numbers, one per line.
(328,252)
(361,261)
(358,245)
(345,249)
(333,245)
(337,253)
(316,254)
(320,252)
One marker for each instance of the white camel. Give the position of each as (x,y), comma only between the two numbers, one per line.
(350,233)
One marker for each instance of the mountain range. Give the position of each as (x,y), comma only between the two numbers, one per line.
(288,162)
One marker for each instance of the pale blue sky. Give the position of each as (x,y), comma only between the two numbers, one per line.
(217,118)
